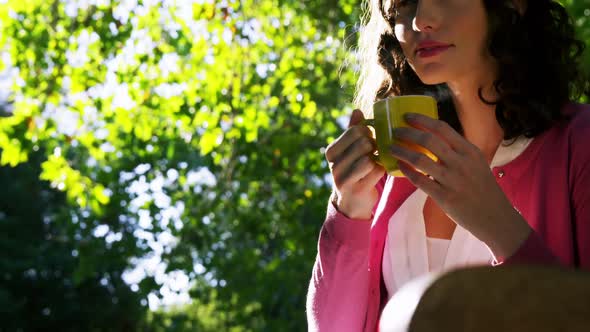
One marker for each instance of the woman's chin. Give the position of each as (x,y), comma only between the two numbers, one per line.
(431,74)
(431,78)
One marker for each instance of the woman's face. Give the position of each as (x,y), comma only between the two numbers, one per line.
(443,40)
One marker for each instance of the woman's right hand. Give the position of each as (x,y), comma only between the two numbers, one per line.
(354,172)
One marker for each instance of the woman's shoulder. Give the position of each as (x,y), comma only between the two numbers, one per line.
(576,131)
(574,122)
(571,133)
(577,113)
(577,120)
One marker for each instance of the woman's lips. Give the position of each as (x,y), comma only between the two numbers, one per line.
(432,51)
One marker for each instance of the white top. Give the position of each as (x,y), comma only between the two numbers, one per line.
(437,252)
(409,254)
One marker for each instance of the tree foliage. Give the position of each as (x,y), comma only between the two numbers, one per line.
(146,145)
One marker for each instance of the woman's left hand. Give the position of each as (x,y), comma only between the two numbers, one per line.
(461,183)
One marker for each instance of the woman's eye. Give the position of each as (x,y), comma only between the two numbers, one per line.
(400,3)
(403,3)
(403,7)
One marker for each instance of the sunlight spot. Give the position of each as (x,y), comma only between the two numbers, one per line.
(101,231)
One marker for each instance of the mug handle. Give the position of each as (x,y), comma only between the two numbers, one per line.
(375,154)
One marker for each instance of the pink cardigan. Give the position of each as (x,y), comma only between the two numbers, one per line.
(549,183)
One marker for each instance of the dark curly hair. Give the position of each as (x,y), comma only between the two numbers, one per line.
(533,82)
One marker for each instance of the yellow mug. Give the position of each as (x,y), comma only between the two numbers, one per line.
(389,114)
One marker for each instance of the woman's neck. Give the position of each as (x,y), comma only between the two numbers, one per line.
(478,119)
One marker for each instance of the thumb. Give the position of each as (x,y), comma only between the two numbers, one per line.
(356,118)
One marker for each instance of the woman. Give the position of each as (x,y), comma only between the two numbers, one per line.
(512,184)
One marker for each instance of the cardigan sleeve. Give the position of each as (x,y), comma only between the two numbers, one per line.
(338,293)
(534,250)
(580,183)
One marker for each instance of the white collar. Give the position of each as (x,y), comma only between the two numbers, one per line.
(507,152)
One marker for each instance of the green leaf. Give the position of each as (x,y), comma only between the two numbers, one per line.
(210,140)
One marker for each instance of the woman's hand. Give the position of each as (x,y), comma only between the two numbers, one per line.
(355,174)
(461,183)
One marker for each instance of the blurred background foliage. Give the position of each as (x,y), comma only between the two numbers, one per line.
(162,162)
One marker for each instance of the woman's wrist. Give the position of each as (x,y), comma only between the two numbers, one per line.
(348,209)
(507,235)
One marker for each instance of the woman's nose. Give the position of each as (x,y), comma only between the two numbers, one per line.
(427,17)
